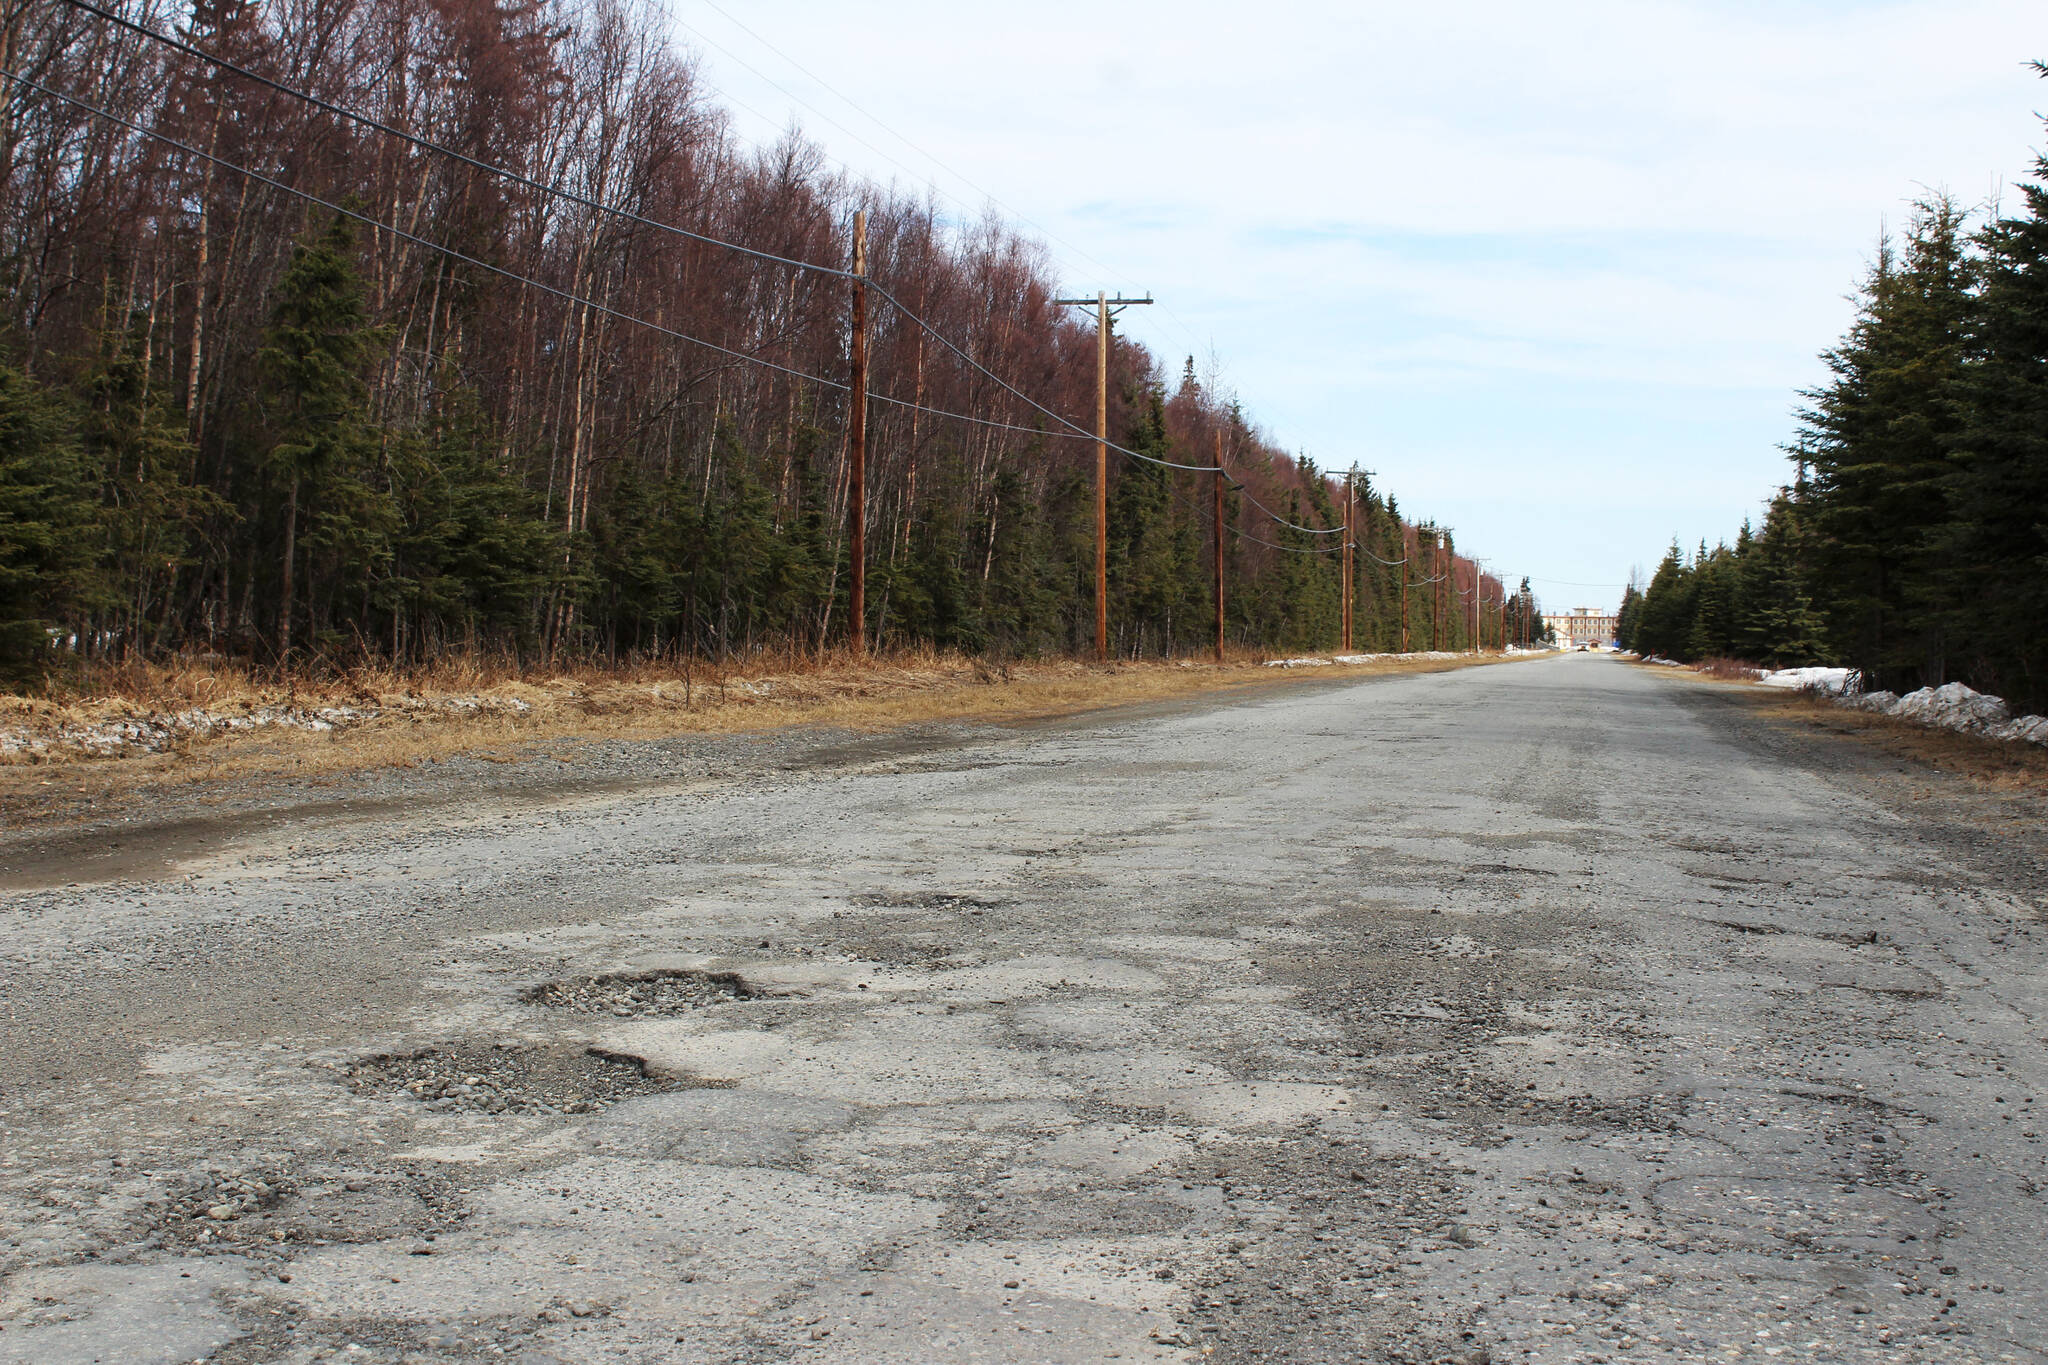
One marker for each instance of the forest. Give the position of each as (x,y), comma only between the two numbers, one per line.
(1912,542)
(371,330)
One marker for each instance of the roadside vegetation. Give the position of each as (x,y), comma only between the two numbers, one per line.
(246,430)
(1911,544)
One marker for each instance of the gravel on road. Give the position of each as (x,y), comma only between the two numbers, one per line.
(1563,1011)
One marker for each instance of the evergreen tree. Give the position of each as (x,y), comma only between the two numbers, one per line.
(1664,629)
(1997,546)
(317,412)
(1776,622)
(1878,437)
(1628,621)
(152,516)
(47,549)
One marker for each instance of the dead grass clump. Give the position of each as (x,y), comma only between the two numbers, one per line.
(1999,764)
(1734,670)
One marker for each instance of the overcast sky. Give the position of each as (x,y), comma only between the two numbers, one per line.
(1555,272)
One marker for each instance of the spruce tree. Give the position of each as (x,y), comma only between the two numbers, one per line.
(1998,546)
(317,403)
(1878,437)
(47,541)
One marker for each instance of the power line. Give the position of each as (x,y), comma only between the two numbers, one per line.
(855,105)
(1292,526)
(528,182)
(1074,430)
(555,291)
(564,294)
(1006,386)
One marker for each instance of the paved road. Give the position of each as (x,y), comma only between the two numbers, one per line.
(1556,1011)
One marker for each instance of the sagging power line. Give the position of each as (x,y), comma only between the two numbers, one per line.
(860,394)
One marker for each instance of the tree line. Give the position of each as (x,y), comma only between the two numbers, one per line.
(1912,543)
(240,424)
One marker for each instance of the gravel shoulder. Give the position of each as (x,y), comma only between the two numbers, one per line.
(1558,1013)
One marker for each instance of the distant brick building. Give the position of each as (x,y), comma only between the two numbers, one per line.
(1581,626)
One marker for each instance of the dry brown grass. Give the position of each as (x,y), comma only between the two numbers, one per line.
(1736,670)
(636,702)
(2001,765)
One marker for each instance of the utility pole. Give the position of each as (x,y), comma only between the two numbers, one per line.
(1102,304)
(857,443)
(1407,553)
(1436,593)
(1478,582)
(1219,544)
(1346,595)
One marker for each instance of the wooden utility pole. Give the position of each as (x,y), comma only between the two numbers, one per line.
(1478,645)
(1348,557)
(1219,544)
(1436,593)
(1406,554)
(1102,303)
(1101,477)
(857,443)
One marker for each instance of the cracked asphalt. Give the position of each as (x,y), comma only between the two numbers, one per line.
(1558,1011)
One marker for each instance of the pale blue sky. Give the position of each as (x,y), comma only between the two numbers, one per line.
(1554,271)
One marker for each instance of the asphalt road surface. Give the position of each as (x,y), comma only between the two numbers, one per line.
(1551,1011)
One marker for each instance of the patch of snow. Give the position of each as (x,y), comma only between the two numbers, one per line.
(1831,680)
(2028,730)
(1954,706)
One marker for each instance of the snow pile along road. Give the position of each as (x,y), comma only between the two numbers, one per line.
(1954,706)
(1831,680)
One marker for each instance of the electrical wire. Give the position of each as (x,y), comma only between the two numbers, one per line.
(1291,549)
(1075,430)
(1567,583)
(364,120)
(564,294)
(1023,397)
(1292,526)
(852,104)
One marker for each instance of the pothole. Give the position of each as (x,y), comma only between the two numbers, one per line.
(225,1207)
(247,1210)
(500,1078)
(627,995)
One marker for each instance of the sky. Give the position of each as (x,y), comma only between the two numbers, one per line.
(1554,273)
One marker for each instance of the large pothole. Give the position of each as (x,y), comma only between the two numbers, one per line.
(242,1210)
(499,1078)
(628,995)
